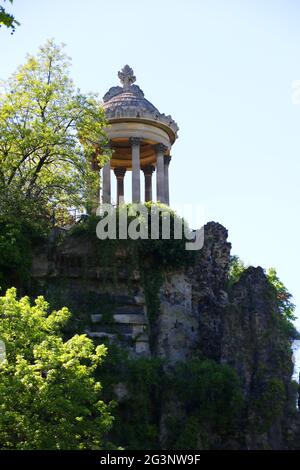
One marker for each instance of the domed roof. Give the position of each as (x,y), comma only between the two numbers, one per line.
(133,98)
(129,102)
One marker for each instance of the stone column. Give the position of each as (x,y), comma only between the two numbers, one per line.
(120,173)
(106,184)
(167,160)
(148,170)
(160,172)
(136,187)
(95,196)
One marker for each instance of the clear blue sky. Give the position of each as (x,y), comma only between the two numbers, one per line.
(224,71)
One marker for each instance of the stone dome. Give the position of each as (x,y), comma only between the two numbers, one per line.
(128,102)
(132,99)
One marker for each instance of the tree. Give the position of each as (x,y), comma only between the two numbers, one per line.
(23,224)
(285,305)
(236,268)
(50,140)
(7,19)
(49,398)
(284,297)
(50,133)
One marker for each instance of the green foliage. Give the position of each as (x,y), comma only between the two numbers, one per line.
(49,140)
(49,133)
(285,305)
(136,424)
(143,253)
(282,295)
(206,395)
(237,267)
(169,253)
(150,256)
(7,19)
(211,395)
(190,434)
(152,278)
(49,398)
(163,253)
(23,224)
(270,401)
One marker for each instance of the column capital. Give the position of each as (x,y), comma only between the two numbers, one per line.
(135,140)
(120,172)
(167,159)
(148,170)
(160,148)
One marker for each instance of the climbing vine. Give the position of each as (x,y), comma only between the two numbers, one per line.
(150,257)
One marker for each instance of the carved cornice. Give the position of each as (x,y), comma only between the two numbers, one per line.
(122,112)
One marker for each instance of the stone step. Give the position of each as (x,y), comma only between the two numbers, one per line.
(135,344)
(129,318)
(101,334)
(110,336)
(119,328)
(121,299)
(142,338)
(129,309)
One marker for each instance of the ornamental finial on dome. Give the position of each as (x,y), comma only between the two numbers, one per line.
(126,77)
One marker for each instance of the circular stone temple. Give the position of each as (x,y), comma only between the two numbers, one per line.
(140,138)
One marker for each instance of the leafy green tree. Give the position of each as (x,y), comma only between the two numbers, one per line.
(284,297)
(211,392)
(50,133)
(49,398)
(50,136)
(286,306)
(7,19)
(236,268)
(23,224)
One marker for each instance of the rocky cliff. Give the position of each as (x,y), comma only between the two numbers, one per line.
(212,357)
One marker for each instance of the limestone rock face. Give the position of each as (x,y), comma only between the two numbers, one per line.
(199,313)
(192,302)
(177,323)
(209,278)
(254,344)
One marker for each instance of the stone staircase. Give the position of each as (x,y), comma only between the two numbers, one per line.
(126,325)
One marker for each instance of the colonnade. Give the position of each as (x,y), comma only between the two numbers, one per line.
(162,176)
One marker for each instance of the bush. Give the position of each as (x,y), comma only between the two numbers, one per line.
(23,224)
(49,398)
(285,305)
(210,393)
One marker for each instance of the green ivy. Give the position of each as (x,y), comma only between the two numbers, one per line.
(151,257)
(208,395)
(269,402)
(212,400)
(136,424)
(23,225)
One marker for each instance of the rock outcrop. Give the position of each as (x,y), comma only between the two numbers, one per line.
(199,313)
